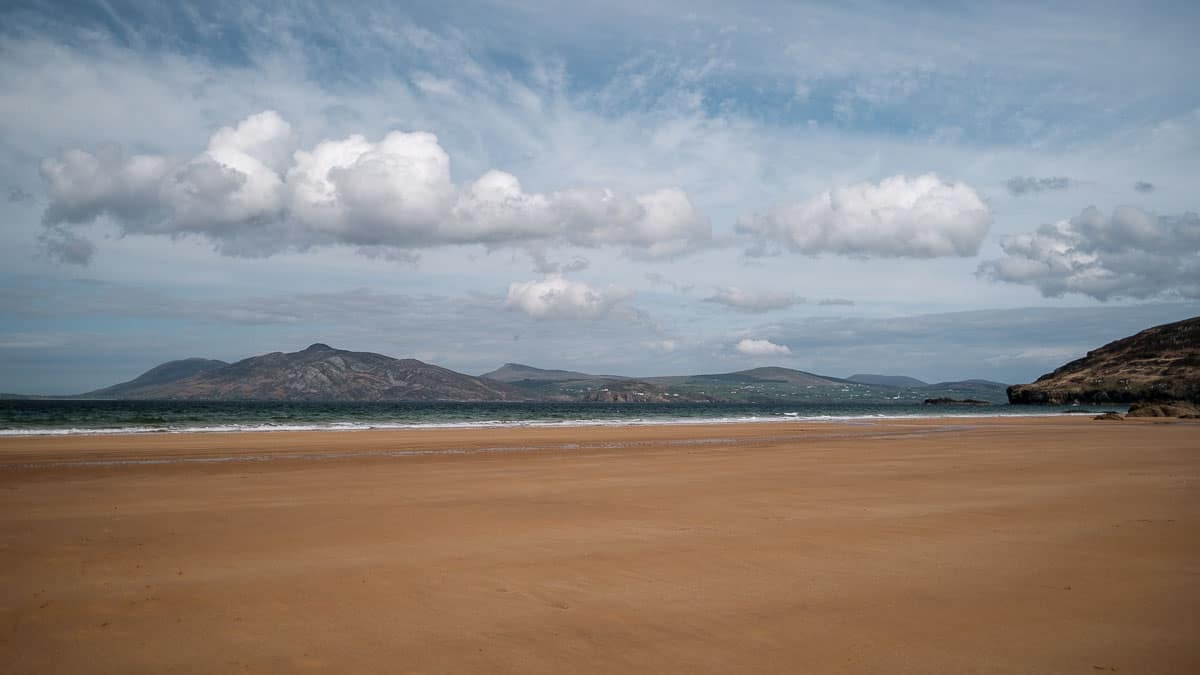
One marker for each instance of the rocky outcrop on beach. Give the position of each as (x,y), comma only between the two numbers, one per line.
(1181,409)
(1158,365)
(318,373)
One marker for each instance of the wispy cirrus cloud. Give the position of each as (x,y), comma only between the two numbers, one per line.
(658,279)
(758,302)
(755,301)
(17,195)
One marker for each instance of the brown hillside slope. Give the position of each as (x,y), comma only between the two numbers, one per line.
(1157,364)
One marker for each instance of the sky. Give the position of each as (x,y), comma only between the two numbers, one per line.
(935,189)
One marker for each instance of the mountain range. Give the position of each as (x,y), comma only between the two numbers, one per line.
(1159,364)
(318,373)
(323,373)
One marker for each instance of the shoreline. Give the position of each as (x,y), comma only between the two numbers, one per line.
(426,442)
(240,447)
(523,424)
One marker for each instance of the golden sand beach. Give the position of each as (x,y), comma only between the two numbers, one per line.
(1033,545)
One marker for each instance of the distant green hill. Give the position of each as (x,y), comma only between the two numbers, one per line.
(757,385)
(159,377)
(516,372)
(888,380)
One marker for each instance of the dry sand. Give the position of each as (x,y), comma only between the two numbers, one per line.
(1051,545)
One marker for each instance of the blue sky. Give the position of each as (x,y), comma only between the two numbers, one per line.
(940,190)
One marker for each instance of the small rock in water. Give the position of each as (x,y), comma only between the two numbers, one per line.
(1109,416)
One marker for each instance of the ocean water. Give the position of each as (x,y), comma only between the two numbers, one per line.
(62,417)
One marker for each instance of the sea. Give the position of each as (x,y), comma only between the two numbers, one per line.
(82,417)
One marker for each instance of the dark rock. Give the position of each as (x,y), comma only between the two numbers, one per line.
(956,401)
(1109,416)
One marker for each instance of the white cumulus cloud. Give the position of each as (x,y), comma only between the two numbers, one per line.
(903,217)
(1130,253)
(394,192)
(751,347)
(236,181)
(254,193)
(558,297)
(82,186)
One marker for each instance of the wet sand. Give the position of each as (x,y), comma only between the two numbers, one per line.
(1047,545)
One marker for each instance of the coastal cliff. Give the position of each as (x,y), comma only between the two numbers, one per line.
(1159,364)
